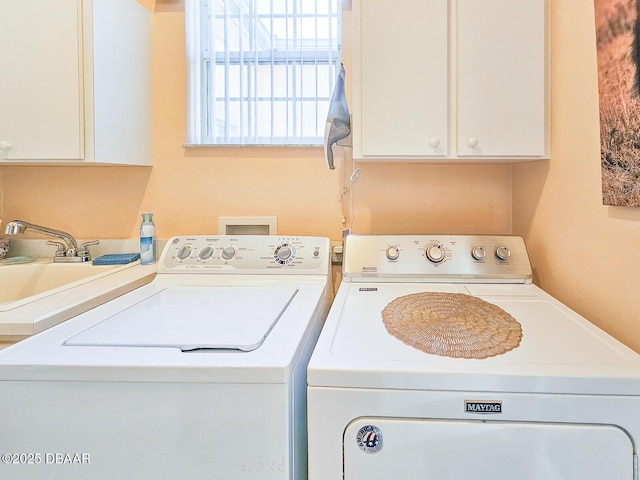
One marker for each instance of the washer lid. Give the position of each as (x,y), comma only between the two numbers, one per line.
(193,317)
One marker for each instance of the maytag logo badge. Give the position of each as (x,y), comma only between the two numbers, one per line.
(483,406)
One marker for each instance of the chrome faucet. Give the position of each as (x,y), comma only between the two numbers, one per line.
(67,250)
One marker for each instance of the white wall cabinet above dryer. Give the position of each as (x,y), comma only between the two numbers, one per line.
(450,80)
(75,82)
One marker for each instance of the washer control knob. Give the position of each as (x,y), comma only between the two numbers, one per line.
(206,252)
(503,253)
(285,254)
(478,253)
(184,252)
(228,252)
(435,253)
(393,253)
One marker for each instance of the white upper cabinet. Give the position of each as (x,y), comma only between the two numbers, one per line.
(450,80)
(403,81)
(75,82)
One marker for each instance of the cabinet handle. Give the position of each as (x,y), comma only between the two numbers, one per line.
(434,142)
(472,142)
(4,145)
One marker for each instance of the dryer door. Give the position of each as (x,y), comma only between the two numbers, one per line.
(377,448)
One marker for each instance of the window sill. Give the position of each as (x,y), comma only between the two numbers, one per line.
(265,145)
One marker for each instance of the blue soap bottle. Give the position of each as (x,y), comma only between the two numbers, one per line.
(147,239)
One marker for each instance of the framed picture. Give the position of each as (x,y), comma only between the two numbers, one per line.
(618,48)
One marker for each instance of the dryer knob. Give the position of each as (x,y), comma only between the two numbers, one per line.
(503,253)
(393,253)
(228,252)
(435,253)
(478,253)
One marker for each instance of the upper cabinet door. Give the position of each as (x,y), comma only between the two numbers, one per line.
(40,79)
(502,73)
(400,79)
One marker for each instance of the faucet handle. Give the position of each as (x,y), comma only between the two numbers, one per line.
(83,251)
(61,247)
(83,246)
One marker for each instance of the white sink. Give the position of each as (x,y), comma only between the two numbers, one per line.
(28,282)
(39,294)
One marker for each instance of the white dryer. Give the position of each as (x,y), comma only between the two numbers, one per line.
(199,374)
(441,360)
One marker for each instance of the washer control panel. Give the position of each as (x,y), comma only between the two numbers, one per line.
(445,258)
(246,254)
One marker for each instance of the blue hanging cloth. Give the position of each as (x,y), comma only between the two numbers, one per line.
(338,124)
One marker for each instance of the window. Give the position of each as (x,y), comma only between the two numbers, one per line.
(261,72)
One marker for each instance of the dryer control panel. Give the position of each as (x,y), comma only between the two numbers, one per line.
(436,258)
(246,254)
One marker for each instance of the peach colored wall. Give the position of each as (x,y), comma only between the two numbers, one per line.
(188,189)
(584,253)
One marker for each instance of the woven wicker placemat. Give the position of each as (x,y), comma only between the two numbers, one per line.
(452,325)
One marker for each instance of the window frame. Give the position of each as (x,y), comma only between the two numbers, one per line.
(199,68)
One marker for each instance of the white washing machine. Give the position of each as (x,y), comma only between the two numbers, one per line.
(199,374)
(440,359)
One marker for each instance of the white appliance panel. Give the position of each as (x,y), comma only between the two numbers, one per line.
(405,258)
(193,317)
(383,448)
(140,431)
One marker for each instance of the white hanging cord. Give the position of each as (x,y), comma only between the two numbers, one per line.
(347,188)
(352,180)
